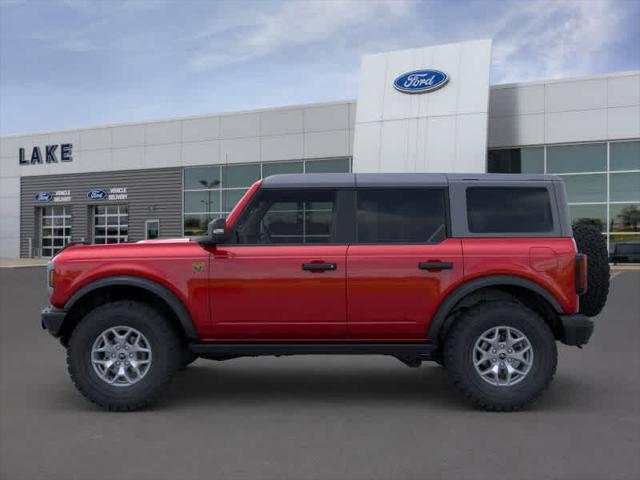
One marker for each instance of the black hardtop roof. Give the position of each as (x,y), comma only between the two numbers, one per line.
(350,180)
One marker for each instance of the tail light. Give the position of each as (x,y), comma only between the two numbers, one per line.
(581,273)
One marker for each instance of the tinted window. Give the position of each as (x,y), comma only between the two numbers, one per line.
(625,155)
(401,216)
(288,217)
(336,165)
(590,157)
(508,209)
(586,188)
(624,187)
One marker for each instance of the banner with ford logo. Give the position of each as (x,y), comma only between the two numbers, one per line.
(44,196)
(420,81)
(97,195)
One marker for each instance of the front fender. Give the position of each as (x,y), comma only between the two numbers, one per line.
(153,287)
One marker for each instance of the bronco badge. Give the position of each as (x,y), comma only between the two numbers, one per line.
(198,267)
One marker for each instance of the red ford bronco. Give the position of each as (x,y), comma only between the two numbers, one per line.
(479,273)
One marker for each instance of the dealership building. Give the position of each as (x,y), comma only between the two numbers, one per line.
(428,109)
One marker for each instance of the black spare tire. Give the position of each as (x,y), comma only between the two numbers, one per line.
(592,243)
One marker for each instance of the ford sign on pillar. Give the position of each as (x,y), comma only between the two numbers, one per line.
(421,81)
(424,110)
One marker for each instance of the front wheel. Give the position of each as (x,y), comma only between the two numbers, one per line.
(123,354)
(502,356)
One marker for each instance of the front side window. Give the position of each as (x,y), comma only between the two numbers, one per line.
(509,210)
(280,217)
(401,216)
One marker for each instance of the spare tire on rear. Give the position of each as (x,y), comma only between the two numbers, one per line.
(591,242)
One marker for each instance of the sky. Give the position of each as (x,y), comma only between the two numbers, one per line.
(79,63)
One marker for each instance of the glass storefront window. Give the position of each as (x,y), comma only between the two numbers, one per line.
(337,165)
(624,187)
(624,217)
(516,160)
(532,160)
(196,224)
(624,156)
(505,160)
(628,238)
(281,167)
(586,188)
(595,215)
(202,201)
(590,157)
(231,197)
(202,177)
(240,175)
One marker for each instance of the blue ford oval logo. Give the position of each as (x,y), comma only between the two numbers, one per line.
(97,195)
(420,81)
(44,196)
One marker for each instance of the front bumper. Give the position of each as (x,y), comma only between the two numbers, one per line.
(52,320)
(575,329)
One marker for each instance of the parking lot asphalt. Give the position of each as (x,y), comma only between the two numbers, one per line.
(318,417)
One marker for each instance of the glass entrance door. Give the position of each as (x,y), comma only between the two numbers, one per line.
(55,231)
(111,224)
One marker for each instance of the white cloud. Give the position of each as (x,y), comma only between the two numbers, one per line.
(547,38)
(290,24)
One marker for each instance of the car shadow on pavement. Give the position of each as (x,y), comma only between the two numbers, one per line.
(206,384)
(203,384)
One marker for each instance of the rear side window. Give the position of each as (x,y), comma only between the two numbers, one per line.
(509,210)
(401,216)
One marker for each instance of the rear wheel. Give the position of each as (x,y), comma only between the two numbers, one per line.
(123,354)
(502,356)
(591,242)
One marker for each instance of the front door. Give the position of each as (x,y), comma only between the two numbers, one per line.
(282,275)
(401,264)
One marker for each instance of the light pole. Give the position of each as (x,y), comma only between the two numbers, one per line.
(209,186)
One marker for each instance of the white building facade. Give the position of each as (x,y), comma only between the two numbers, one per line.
(167,178)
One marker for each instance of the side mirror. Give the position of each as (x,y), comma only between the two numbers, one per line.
(216,230)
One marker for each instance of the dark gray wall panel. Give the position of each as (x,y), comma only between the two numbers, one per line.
(152,193)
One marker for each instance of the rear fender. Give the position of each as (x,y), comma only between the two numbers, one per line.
(439,322)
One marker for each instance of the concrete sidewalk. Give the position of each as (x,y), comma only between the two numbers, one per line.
(22,262)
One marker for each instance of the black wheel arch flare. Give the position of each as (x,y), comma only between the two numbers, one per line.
(174,303)
(439,321)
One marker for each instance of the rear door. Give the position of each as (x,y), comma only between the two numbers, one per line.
(401,264)
(283,275)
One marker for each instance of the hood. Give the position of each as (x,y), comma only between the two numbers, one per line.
(143,248)
(165,240)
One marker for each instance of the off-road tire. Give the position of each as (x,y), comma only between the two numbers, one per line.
(591,242)
(166,350)
(460,342)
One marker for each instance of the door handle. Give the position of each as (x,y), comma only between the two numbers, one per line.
(435,266)
(318,266)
